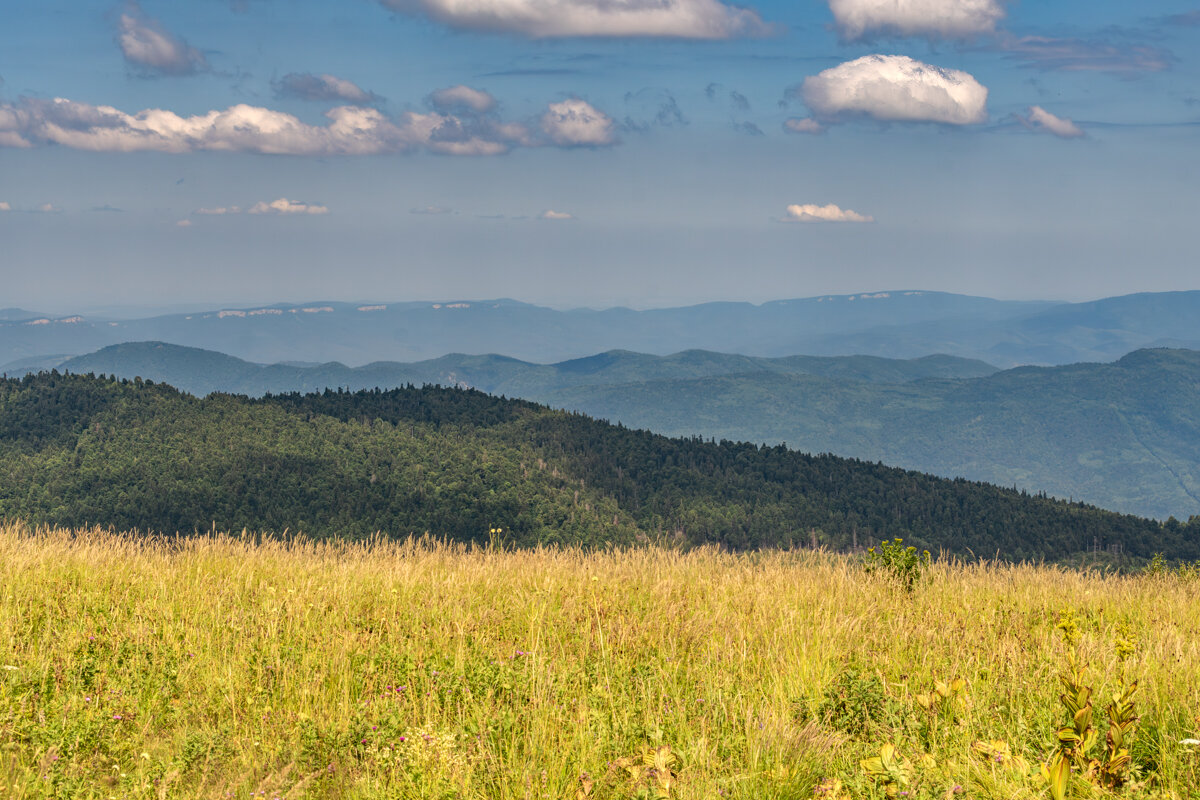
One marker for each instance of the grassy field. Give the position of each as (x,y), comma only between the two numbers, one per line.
(221,668)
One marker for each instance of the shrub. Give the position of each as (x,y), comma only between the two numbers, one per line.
(902,564)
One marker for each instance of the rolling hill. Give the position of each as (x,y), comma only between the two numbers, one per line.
(1123,435)
(77,450)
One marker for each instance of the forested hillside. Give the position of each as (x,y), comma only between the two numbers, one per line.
(77,450)
(1124,436)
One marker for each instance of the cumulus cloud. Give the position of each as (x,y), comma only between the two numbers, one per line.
(575,123)
(551,214)
(183,223)
(803,125)
(895,89)
(148,46)
(5,206)
(809,212)
(933,19)
(681,19)
(324,88)
(351,130)
(285,206)
(218,212)
(1039,119)
(48,208)
(458,98)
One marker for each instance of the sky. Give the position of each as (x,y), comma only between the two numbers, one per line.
(594,152)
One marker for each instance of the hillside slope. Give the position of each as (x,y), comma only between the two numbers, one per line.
(77,450)
(1124,435)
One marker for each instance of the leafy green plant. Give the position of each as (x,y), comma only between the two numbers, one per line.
(889,769)
(1079,751)
(648,775)
(1157,567)
(903,564)
(856,703)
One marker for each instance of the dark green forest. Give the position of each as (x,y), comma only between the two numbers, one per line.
(135,455)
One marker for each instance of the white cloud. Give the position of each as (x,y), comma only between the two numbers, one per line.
(551,214)
(431,210)
(5,207)
(895,89)
(325,88)
(935,19)
(1039,119)
(828,213)
(217,212)
(683,19)
(285,206)
(351,130)
(803,125)
(462,97)
(145,43)
(48,208)
(184,223)
(575,123)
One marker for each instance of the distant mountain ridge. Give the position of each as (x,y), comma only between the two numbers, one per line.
(902,324)
(360,333)
(203,371)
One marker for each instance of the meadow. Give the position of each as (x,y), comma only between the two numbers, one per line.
(235,667)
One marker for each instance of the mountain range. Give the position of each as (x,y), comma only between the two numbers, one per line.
(899,324)
(1123,435)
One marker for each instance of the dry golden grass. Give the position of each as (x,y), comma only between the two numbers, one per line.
(219,667)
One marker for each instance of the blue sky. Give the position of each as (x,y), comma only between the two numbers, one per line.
(588,153)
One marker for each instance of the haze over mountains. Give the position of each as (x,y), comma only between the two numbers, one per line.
(902,324)
(905,378)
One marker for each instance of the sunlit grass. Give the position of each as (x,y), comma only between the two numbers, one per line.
(219,667)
